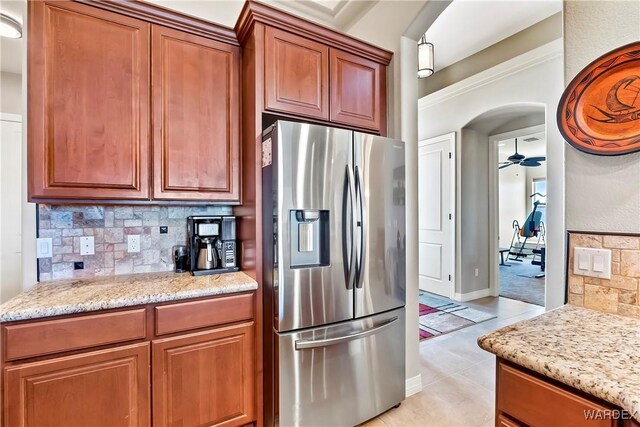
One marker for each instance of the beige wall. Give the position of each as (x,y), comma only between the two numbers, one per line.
(10,93)
(602,193)
(537,35)
(473,211)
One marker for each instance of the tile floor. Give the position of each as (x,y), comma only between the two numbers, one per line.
(458,378)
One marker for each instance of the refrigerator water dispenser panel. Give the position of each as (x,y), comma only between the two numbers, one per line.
(309,238)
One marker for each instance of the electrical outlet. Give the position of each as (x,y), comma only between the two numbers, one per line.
(86,245)
(477,272)
(44,247)
(133,243)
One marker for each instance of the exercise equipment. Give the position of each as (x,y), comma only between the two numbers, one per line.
(529,239)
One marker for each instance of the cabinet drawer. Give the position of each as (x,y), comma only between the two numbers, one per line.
(539,403)
(54,336)
(504,421)
(201,314)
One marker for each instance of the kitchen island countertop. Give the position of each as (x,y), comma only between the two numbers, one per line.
(588,350)
(83,295)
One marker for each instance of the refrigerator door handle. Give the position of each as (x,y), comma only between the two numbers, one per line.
(306,344)
(363,230)
(351,263)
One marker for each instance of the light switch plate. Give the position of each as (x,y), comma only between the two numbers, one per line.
(87,246)
(44,247)
(592,262)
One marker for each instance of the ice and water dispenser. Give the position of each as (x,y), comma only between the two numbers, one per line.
(309,238)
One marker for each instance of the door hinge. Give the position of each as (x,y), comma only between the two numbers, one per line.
(449,277)
(450,217)
(449,154)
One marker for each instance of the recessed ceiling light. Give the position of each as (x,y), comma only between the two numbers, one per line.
(9,27)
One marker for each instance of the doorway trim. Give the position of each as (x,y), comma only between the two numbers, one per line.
(494,200)
(453,220)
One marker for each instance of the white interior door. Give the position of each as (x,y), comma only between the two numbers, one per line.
(10,208)
(435,214)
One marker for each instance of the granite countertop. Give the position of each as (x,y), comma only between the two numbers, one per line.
(82,295)
(591,351)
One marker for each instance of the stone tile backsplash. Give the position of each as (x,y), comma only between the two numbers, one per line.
(618,294)
(110,226)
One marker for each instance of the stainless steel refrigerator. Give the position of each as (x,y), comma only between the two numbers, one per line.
(334,277)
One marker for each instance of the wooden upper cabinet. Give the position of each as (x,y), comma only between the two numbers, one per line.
(88,93)
(358,91)
(205,378)
(102,388)
(196,108)
(296,75)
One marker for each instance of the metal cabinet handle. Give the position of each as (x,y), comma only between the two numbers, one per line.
(306,344)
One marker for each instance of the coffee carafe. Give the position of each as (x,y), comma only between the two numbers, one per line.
(207,254)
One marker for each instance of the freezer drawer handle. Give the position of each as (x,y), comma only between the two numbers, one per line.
(305,344)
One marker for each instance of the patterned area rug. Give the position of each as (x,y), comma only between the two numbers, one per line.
(439,315)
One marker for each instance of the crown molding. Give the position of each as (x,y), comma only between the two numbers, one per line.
(255,12)
(534,57)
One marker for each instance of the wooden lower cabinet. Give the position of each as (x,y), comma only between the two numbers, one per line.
(100,388)
(504,421)
(205,378)
(525,398)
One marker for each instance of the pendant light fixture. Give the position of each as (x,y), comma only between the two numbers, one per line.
(425,58)
(9,27)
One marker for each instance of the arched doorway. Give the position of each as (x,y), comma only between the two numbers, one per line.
(497,189)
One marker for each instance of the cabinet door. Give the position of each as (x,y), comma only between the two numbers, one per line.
(358,95)
(101,388)
(196,109)
(205,378)
(88,103)
(295,74)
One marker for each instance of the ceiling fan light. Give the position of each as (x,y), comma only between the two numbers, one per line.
(425,58)
(9,27)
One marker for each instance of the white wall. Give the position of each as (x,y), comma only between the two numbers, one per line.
(531,174)
(603,193)
(535,78)
(473,212)
(512,194)
(10,206)
(10,93)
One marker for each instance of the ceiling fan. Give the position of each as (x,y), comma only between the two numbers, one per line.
(518,159)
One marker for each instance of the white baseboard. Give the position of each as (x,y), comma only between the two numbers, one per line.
(413,385)
(472,295)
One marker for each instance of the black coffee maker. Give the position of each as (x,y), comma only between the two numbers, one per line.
(212,244)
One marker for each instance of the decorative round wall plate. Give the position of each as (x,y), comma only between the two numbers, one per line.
(599,112)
